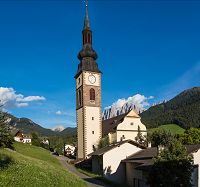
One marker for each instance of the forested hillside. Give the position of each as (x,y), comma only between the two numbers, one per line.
(183,110)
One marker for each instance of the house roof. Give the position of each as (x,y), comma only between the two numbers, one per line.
(145,156)
(103,150)
(110,125)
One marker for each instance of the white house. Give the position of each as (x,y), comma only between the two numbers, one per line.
(123,127)
(69,150)
(137,166)
(20,137)
(107,161)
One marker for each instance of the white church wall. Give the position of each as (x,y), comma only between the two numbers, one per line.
(93,128)
(128,129)
(86,80)
(113,168)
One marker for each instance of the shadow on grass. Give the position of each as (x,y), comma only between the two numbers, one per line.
(5,161)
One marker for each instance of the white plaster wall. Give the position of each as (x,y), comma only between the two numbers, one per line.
(80,129)
(130,131)
(113,158)
(17,139)
(92,125)
(97,75)
(26,140)
(196,157)
(78,84)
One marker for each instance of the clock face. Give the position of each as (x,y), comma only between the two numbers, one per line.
(92,79)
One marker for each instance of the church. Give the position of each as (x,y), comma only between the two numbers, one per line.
(90,127)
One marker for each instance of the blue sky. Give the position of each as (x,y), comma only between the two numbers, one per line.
(144,47)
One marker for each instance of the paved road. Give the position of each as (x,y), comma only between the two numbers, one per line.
(91,182)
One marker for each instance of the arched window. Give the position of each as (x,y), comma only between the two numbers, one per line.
(79,98)
(92,94)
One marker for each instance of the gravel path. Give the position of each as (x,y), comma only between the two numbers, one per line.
(91,182)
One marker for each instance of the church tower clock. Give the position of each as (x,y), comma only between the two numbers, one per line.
(88,95)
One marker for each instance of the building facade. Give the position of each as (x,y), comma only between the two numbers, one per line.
(123,127)
(88,95)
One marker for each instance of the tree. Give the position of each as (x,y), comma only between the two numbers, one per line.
(142,140)
(160,137)
(172,167)
(6,139)
(35,139)
(191,136)
(103,142)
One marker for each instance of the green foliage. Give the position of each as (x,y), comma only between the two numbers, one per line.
(103,142)
(57,144)
(182,110)
(6,139)
(35,166)
(142,140)
(160,137)
(5,161)
(35,139)
(191,136)
(172,167)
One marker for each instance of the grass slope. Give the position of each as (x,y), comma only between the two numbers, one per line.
(172,128)
(35,167)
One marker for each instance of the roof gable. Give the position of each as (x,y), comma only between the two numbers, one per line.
(115,145)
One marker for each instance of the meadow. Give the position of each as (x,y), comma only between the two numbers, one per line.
(172,128)
(33,167)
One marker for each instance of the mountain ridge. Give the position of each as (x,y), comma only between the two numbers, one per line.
(183,110)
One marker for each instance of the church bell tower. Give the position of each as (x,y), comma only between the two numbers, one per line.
(88,95)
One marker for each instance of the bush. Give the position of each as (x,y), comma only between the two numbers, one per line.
(5,161)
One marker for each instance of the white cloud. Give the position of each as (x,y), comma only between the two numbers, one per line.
(138,102)
(10,99)
(59,112)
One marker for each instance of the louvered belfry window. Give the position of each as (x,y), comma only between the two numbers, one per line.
(92,94)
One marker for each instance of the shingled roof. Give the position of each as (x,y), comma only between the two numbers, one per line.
(144,157)
(110,125)
(103,150)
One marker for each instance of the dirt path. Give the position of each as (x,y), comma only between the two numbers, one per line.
(91,182)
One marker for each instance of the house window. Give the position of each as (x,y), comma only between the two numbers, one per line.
(92,118)
(92,94)
(79,80)
(92,132)
(132,123)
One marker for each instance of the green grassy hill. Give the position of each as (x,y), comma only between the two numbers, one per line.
(34,167)
(172,128)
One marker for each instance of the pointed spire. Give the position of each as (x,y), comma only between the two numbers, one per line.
(86,21)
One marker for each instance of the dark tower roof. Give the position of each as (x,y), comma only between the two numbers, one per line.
(86,21)
(87,55)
